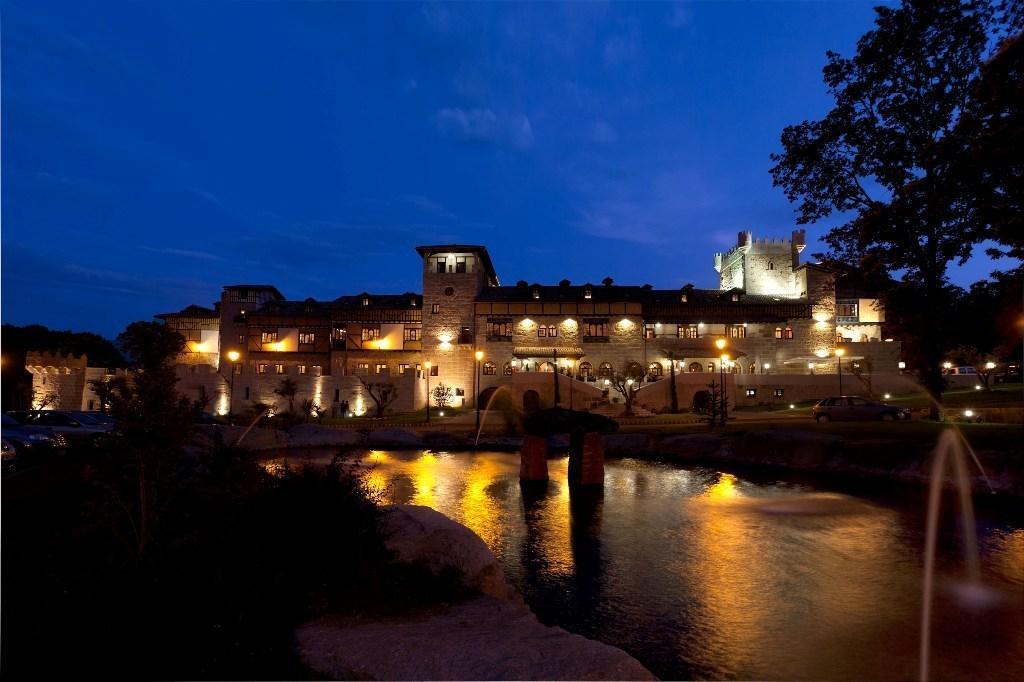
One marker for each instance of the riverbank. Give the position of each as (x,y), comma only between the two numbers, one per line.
(489,635)
(884,451)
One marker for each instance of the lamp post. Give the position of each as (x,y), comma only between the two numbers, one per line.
(427,365)
(569,365)
(840,352)
(720,344)
(476,387)
(233,356)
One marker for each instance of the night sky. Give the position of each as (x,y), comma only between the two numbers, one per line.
(153,152)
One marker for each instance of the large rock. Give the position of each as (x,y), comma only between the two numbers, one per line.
(480,639)
(430,539)
(314,435)
(394,438)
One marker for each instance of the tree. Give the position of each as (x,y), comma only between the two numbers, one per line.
(383,393)
(442,395)
(862,369)
(312,409)
(626,384)
(105,389)
(875,158)
(201,402)
(287,389)
(154,424)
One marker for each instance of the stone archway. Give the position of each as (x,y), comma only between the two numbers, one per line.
(486,395)
(531,401)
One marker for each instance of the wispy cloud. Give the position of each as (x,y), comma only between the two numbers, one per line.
(184,253)
(485,126)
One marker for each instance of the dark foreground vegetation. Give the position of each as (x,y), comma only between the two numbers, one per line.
(149,554)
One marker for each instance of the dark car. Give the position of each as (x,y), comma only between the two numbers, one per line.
(27,440)
(855,409)
(73,427)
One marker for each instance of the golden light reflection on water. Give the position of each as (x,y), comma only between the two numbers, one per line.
(723,489)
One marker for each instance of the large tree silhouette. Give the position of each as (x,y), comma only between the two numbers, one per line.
(879,158)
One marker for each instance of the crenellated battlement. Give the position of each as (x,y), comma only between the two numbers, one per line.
(51,359)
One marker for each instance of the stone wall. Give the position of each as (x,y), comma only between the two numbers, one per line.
(58,380)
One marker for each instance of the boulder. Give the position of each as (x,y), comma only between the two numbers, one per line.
(483,638)
(394,438)
(315,435)
(430,539)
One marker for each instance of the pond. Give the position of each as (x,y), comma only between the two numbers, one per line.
(701,573)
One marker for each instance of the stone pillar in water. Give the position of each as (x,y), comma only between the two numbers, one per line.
(533,464)
(592,471)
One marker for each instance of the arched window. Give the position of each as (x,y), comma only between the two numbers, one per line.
(489,368)
(586,370)
(735,368)
(655,369)
(771,265)
(752,368)
(711,367)
(506,369)
(695,367)
(787,333)
(605,370)
(778,332)
(547,367)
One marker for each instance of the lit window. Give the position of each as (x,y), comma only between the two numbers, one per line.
(439,264)
(317,370)
(279,368)
(605,370)
(737,331)
(587,293)
(362,368)
(403,367)
(787,333)
(548,330)
(435,309)
(779,392)
(371,333)
(268,337)
(751,392)
(241,339)
(649,332)
(434,370)
(307,338)
(412,334)
(682,298)
(655,369)
(536,292)
(506,369)
(596,329)
(489,368)
(711,367)
(735,297)
(460,264)
(499,329)
(261,368)
(366,300)
(302,369)
(380,368)
(688,331)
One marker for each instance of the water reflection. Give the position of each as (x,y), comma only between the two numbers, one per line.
(701,573)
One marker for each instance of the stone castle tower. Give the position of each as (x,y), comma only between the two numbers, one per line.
(762,266)
(453,277)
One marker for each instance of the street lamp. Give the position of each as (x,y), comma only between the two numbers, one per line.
(427,365)
(766,366)
(476,387)
(233,356)
(840,352)
(721,375)
(720,345)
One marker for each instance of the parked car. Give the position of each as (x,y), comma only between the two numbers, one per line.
(73,427)
(853,408)
(28,440)
(8,456)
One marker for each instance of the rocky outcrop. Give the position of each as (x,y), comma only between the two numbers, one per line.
(480,639)
(491,636)
(426,537)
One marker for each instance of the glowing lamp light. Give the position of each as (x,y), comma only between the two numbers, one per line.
(977,387)
(947,365)
(719,343)
(968,413)
(479,355)
(629,382)
(990,365)
(902,365)
(810,365)
(441,413)
(607,382)
(887,396)
(233,355)
(840,352)
(792,406)
(821,353)
(428,364)
(700,324)
(766,365)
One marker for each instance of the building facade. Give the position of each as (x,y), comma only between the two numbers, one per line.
(777,317)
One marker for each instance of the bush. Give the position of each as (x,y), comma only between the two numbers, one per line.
(239,557)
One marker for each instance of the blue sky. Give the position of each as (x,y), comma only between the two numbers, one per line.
(153,152)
